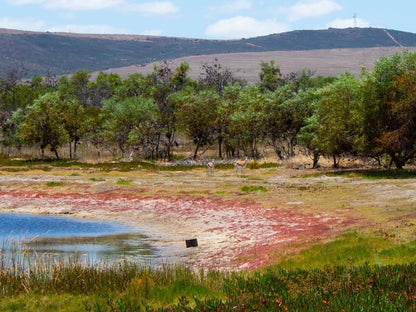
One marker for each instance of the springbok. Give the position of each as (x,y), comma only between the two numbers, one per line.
(241,164)
(210,168)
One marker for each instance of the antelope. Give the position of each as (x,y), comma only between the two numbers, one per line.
(210,168)
(240,164)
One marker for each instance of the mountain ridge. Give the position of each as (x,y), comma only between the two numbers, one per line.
(42,53)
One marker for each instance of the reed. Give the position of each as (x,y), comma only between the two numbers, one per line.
(34,282)
(24,273)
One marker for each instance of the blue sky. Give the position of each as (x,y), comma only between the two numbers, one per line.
(210,19)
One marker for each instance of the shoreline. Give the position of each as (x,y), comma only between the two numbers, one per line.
(231,235)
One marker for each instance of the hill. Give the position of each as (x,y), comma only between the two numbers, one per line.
(64,53)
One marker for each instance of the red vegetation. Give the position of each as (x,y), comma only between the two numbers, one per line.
(231,234)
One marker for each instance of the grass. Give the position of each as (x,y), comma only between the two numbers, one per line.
(54,183)
(356,271)
(374,174)
(353,248)
(336,276)
(70,286)
(97,179)
(48,164)
(122,181)
(253,188)
(32,282)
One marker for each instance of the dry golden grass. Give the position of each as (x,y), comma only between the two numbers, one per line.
(246,65)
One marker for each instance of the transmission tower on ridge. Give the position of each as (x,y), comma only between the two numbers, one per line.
(355,19)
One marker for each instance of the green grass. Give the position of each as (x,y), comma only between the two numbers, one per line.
(374,174)
(97,179)
(253,188)
(353,248)
(122,181)
(54,183)
(371,174)
(333,277)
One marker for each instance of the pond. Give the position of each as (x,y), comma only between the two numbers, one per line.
(91,241)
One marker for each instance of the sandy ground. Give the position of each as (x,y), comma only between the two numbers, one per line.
(235,230)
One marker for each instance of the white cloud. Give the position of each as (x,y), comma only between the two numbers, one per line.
(74,5)
(235,6)
(349,22)
(82,5)
(240,27)
(23,2)
(154,8)
(39,25)
(87,29)
(149,8)
(310,8)
(22,24)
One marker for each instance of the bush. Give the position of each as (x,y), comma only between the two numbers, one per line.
(254,164)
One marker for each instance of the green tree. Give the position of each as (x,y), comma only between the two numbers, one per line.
(121,118)
(197,116)
(334,127)
(247,126)
(226,107)
(388,109)
(74,121)
(43,124)
(103,88)
(286,112)
(270,76)
(77,87)
(135,85)
(167,82)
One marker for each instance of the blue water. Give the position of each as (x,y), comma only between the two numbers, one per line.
(93,241)
(26,225)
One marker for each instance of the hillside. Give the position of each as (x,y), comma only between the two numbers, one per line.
(63,53)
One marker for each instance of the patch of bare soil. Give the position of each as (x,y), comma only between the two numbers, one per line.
(233,232)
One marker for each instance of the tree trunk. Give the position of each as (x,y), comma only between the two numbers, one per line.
(335,165)
(70,150)
(53,149)
(316,157)
(75,148)
(220,140)
(196,151)
(398,161)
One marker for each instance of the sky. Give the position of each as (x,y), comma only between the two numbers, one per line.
(204,19)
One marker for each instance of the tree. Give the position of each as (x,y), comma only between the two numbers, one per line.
(389,109)
(286,112)
(197,116)
(270,76)
(77,87)
(9,90)
(167,82)
(215,77)
(103,88)
(226,107)
(121,118)
(247,126)
(135,85)
(43,124)
(333,128)
(74,121)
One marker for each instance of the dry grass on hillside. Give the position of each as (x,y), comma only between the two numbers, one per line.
(246,65)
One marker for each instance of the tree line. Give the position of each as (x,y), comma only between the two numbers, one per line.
(373,115)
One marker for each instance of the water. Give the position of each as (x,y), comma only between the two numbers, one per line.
(63,237)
